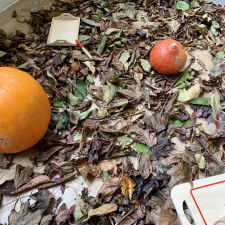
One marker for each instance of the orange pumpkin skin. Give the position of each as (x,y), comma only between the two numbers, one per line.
(24,111)
(168,57)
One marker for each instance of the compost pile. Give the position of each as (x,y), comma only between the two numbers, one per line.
(113,116)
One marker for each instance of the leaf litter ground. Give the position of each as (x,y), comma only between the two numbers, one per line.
(115,118)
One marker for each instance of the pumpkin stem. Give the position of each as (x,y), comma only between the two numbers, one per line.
(174,46)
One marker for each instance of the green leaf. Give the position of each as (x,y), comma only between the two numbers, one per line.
(183,85)
(88,9)
(51,79)
(142,148)
(109,92)
(201,101)
(90,79)
(124,57)
(145,65)
(220,54)
(2,53)
(184,77)
(125,140)
(200,159)
(102,45)
(62,122)
(83,37)
(58,104)
(1,155)
(82,87)
(182,5)
(176,122)
(23,66)
(102,112)
(189,123)
(195,4)
(79,209)
(215,24)
(105,176)
(114,77)
(111,30)
(105,4)
(76,136)
(90,22)
(119,102)
(214,31)
(85,114)
(73,99)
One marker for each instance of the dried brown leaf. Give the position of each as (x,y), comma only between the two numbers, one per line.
(157,121)
(24,216)
(145,162)
(102,210)
(75,67)
(36,181)
(7,187)
(49,153)
(179,173)
(42,198)
(63,214)
(6,160)
(46,220)
(22,175)
(162,216)
(147,137)
(108,188)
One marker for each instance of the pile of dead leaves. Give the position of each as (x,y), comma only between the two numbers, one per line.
(114,109)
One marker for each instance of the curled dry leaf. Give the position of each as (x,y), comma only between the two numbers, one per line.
(108,188)
(108,166)
(75,67)
(102,210)
(36,181)
(49,153)
(127,186)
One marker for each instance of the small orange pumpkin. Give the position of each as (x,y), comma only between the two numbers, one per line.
(168,57)
(24,111)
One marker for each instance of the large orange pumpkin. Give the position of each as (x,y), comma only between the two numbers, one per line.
(168,57)
(24,111)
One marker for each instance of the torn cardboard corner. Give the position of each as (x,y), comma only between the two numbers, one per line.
(64,30)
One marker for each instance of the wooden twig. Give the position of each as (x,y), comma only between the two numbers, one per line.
(75,88)
(132,210)
(214,158)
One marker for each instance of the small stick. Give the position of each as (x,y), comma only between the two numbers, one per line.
(75,88)
(214,158)
(84,49)
(132,210)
